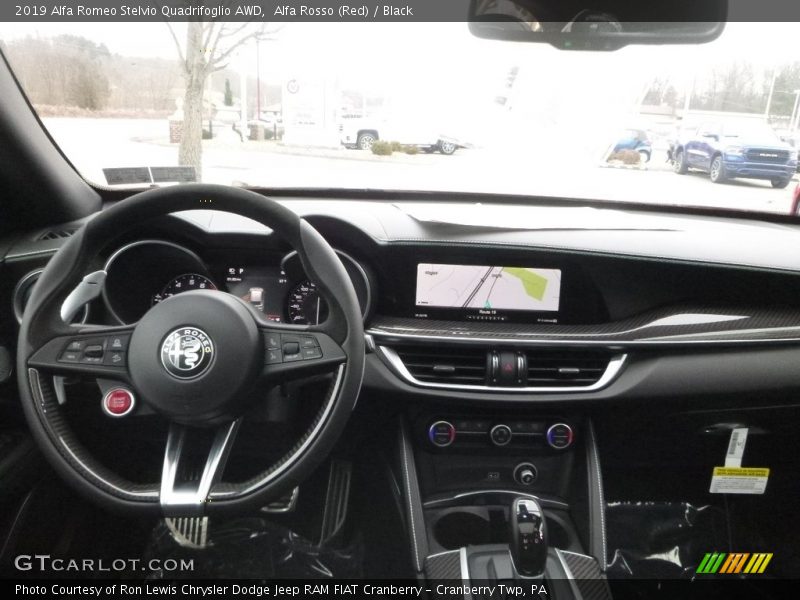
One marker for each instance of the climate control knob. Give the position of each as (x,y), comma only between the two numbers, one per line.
(442,433)
(560,436)
(500,435)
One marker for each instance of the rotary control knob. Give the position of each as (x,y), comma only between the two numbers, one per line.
(500,435)
(560,436)
(525,473)
(442,433)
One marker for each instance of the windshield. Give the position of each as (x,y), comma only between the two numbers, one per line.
(751,131)
(413,106)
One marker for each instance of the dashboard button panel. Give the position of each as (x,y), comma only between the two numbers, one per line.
(531,433)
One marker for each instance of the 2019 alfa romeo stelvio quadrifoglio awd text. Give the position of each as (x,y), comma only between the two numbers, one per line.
(342,300)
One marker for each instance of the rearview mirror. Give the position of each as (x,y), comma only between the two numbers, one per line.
(599,24)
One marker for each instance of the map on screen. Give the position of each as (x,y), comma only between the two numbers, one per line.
(488,288)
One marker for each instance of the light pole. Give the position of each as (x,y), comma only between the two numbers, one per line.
(244,130)
(795,110)
(771,92)
(258,78)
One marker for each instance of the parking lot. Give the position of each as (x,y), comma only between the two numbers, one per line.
(94,144)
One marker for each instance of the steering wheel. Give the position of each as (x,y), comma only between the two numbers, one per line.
(199,359)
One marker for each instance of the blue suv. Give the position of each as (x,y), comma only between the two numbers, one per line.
(749,149)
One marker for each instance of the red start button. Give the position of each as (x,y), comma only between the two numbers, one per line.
(118,402)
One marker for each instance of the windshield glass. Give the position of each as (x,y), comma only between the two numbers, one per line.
(415,106)
(751,130)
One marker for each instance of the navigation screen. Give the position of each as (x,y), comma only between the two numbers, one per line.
(488,289)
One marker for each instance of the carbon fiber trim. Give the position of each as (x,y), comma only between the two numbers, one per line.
(443,566)
(72,450)
(597,504)
(687,325)
(416,518)
(586,575)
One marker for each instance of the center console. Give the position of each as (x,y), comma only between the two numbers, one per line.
(466,453)
(504,495)
(490,459)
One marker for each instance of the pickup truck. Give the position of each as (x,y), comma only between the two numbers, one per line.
(729,150)
(360,132)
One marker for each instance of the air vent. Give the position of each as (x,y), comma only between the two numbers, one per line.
(566,368)
(504,369)
(56,234)
(436,364)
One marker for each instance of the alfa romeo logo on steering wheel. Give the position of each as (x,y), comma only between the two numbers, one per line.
(187,352)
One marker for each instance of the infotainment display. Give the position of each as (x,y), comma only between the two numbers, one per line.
(487,292)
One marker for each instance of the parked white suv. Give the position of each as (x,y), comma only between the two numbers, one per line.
(357,131)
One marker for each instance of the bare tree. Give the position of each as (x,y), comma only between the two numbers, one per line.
(208,48)
(65,70)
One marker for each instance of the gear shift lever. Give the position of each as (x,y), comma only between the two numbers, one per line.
(528,537)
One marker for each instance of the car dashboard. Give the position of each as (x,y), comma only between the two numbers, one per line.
(509,347)
(653,291)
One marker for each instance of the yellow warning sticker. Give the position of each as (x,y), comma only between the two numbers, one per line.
(739,480)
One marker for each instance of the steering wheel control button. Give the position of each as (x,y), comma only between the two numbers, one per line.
(291,348)
(114,359)
(525,474)
(187,352)
(500,435)
(272,341)
(69,356)
(93,351)
(273,356)
(76,346)
(308,342)
(311,353)
(118,343)
(560,436)
(442,434)
(118,402)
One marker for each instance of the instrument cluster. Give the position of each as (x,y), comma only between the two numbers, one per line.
(146,272)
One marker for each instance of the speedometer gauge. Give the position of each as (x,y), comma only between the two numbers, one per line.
(184,283)
(305,306)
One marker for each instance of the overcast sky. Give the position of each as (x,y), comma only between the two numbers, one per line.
(406,57)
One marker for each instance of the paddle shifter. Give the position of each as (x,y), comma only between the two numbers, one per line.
(528,537)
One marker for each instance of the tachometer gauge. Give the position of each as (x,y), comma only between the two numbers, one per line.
(305,306)
(184,283)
